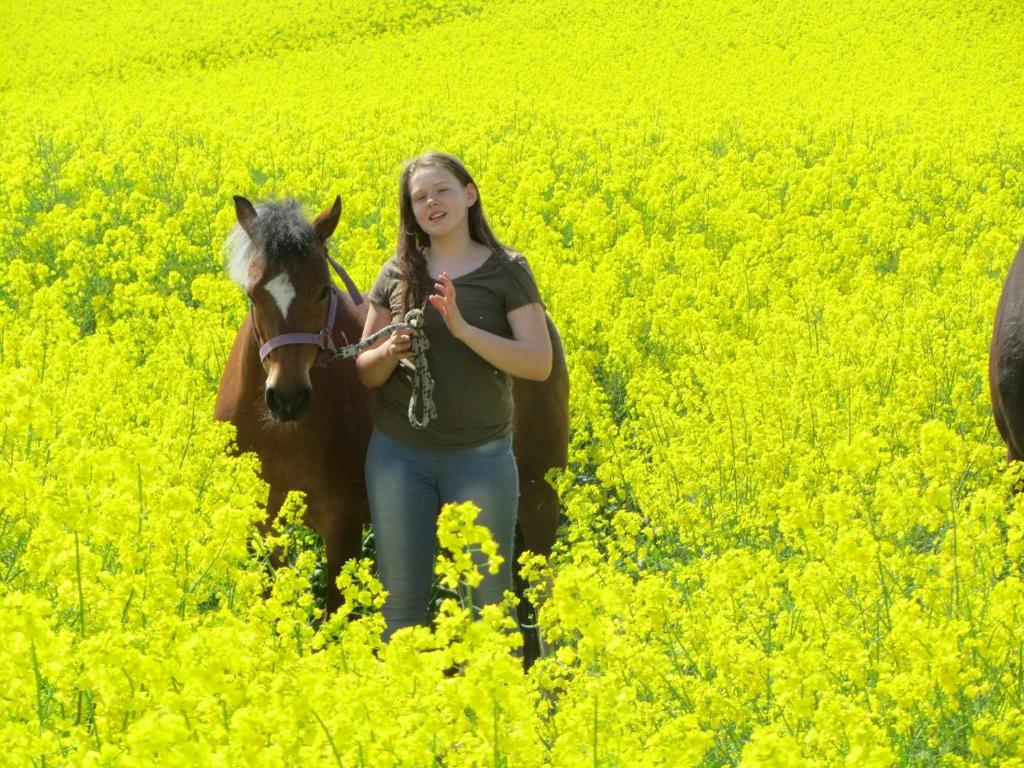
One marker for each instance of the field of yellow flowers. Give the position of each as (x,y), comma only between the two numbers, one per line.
(773,237)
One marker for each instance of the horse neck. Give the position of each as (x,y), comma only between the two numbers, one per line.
(253,374)
(348,323)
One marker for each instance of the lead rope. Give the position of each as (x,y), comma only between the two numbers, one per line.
(422,382)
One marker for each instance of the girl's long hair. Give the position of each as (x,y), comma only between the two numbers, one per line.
(416,282)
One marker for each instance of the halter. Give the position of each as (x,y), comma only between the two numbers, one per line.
(324,340)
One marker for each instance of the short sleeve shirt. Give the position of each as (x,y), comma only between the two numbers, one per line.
(473,398)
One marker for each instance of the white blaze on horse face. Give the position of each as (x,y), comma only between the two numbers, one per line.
(281,289)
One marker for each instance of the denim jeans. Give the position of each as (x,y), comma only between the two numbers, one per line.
(407,487)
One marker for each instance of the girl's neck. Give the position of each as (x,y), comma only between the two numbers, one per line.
(453,248)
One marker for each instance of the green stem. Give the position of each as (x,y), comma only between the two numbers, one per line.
(39,687)
(497,716)
(81,595)
(330,740)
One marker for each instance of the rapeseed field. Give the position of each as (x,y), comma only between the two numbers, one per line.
(773,236)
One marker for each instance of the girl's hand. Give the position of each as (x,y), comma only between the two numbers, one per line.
(399,345)
(445,304)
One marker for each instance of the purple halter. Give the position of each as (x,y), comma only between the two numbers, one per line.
(324,340)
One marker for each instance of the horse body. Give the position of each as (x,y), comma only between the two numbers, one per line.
(310,424)
(540,443)
(1006,361)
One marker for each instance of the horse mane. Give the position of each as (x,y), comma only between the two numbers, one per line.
(283,233)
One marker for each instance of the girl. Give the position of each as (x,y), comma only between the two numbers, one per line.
(485,323)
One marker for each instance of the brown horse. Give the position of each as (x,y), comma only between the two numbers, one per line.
(317,444)
(1006,361)
(314,444)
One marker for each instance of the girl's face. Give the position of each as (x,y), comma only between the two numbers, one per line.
(439,202)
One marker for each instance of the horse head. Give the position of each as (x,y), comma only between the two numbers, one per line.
(279,258)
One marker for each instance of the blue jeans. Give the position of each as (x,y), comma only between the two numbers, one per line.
(407,487)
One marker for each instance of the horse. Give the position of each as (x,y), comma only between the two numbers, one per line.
(308,417)
(1006,361)
(315,444)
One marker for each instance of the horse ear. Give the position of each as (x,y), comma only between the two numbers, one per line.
(246,216)
(328,220)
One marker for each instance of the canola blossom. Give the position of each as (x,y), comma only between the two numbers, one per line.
(773,239)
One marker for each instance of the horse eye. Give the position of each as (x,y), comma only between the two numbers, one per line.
(323,294)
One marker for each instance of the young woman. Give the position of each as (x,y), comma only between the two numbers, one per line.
(485,323)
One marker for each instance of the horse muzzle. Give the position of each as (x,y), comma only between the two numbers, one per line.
(289,407)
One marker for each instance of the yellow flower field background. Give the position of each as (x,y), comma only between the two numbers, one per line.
(773,237)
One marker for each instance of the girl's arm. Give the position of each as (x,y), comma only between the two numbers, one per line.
(526,356)
(375,365)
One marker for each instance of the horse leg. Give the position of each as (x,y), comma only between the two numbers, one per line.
(539,518)
(539,514)
(526,613)
(343,541)
(265,528)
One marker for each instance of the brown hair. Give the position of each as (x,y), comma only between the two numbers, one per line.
(411,237)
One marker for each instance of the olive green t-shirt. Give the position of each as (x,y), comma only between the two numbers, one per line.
(473,398)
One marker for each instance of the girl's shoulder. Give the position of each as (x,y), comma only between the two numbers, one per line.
(510,258)
(391,265)
(388,277)
(515,266)
(390,270)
